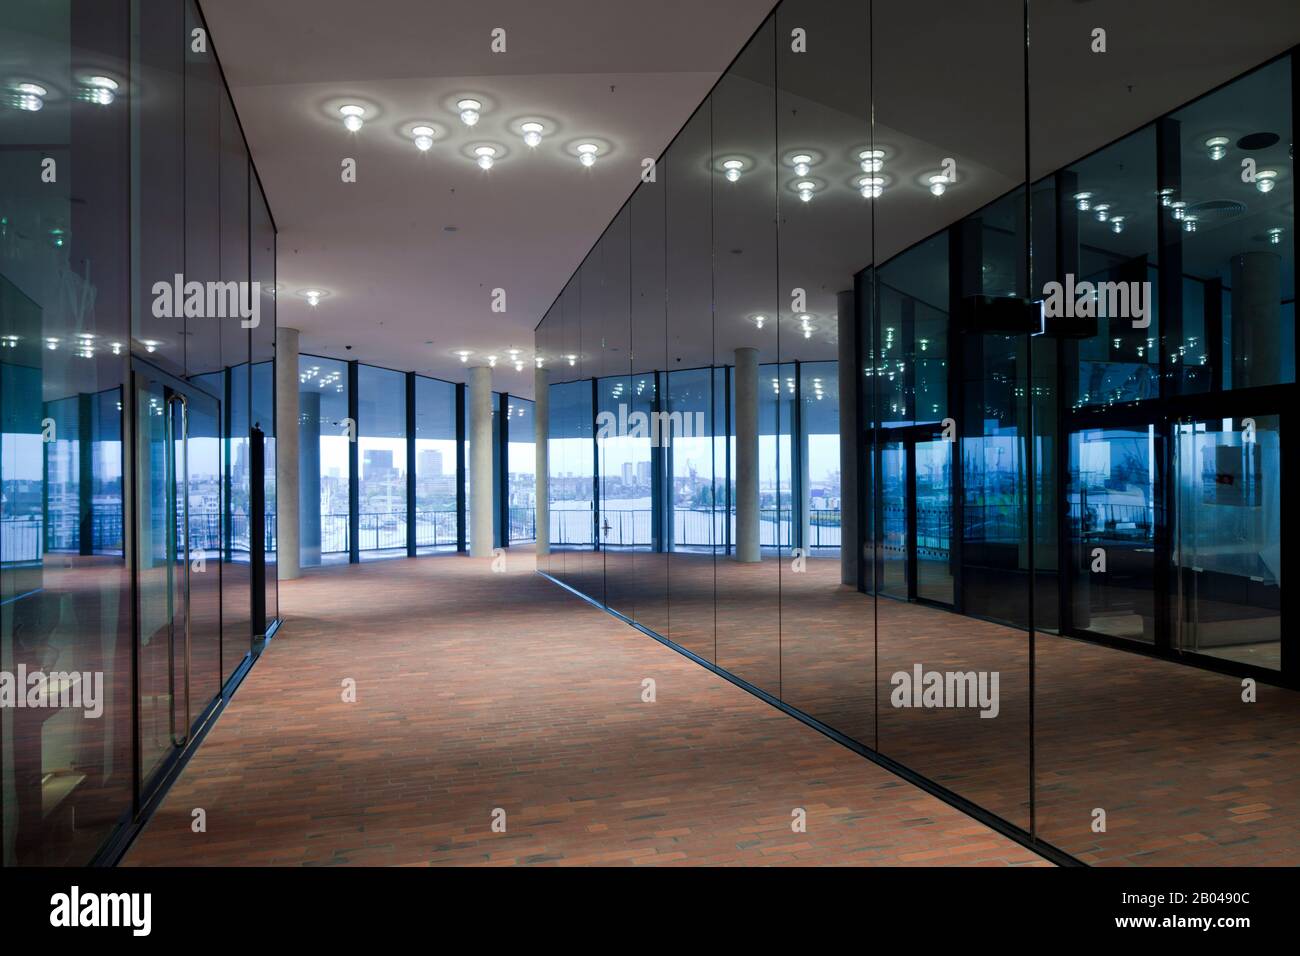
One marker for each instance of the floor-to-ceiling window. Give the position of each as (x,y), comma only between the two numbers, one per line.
(381,452)
(324,467)
(521,470)
(435,465)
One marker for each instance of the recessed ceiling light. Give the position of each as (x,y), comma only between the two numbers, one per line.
(353,116)
(31,96)
(806,189)
(464,355)
(423,136)
(486,156)
(871,186)
(313,296)
(938,184)
(1265,180)
(871,160)
(100,89)
(470,111)
(1102,210)
(802,163)
(1275,235)
(587,153)
(1218,146)
(532,133)
(1083,201)
(732,169)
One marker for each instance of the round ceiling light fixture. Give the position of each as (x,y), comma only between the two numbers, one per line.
(313,296)
(486,156)
(806,188)
(871,187)
(871,160)
(732,169)
(100,89)
(587,153)
(802,163)
(423,136)
(532,134)
(1265,180)
(471,110)
(353,116)
(938,184)
(1217,146)
(31,96)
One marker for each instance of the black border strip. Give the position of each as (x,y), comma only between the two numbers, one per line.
(1046,850)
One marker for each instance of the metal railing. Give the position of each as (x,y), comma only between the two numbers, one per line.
(692,527)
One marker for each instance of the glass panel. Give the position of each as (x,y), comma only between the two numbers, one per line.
(745,273)
(381,453)
(262,354)
(521,469)
(435,465)
(324,466)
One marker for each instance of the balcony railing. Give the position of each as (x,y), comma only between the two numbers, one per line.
(692,528)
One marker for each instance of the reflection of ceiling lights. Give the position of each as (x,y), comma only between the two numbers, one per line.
(871,160)
(1166,196)
(1265,180)
(463,354)
(587,153)
(353,116)
(486,156)
(492,361)
(938,184)
(1189,224)
(539,360)
(313,296)
(423,138)
(470,111)
(101,90)
(1117,224)
(802,163)
(1102,210)
(573,359)
(1275,236)
(31,96)
(1083,201)
(1218,146)
(1178,209)
(806,189)
(8,341)
(732,169)
(532,134)
(759,320)
(871,186)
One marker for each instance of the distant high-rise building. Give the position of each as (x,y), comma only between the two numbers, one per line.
(430,464)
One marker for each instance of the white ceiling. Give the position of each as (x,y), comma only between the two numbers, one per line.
(404,291)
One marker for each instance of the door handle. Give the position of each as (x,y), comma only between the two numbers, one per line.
(180,400)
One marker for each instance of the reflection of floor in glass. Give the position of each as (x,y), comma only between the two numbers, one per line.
(1266,654)
(1187,772)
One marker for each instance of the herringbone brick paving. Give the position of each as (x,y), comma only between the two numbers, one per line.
(477,691)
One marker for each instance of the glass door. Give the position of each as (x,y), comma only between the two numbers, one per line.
(178,564)
(1226,539)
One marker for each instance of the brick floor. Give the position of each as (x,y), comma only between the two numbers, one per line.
(478,691)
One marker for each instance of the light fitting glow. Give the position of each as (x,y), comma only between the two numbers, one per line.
(806,189)
(486,156)
(938,184)
(871,186)
(1117,224)
(1102,210)
(573,359)
(313,296)
(464,355)
(1218,146)
(587,153)
(492,361)
(1275,236)
(353,116)
(1083,201)
(759,320)
(1166,196)
(1189,224)
(802,163)
(1178,209)
(423,138)
(469,111)
(532,134)
(31,96)
(100,89)
(1265,180)
(871,160)
(733,168)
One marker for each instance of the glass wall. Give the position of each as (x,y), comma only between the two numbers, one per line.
(126,456)
(959,430)
(325,460)
(521,469)
(381,453)
(435,465)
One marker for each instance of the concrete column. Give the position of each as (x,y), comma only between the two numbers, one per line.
(746,413)
(1256,319)
(541,435)
(286,454)
(480,462)
(847,324)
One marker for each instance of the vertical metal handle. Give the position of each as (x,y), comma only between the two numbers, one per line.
(179,399)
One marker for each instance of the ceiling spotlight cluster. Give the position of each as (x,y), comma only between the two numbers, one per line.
(1103,211)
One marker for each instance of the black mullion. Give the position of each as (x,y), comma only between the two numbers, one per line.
(460,466)
(503,468)
(354,470)
(410,466)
